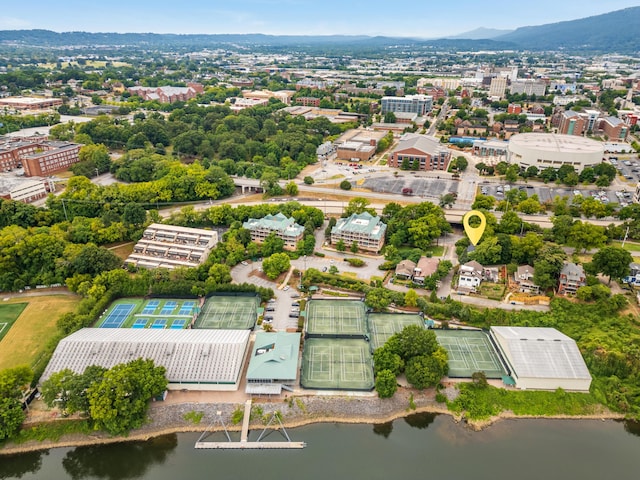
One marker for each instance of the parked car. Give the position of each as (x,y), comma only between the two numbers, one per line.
(244,263)
(324,269)
(286,288)
(295,304)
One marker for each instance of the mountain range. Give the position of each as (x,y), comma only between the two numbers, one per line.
(610,32)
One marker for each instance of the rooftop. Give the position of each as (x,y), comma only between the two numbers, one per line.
(361,223)
(274,356)
(552,142)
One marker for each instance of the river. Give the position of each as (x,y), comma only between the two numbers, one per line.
(419,446)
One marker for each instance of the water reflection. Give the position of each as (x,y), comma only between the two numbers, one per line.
(420,420)
(632,427)
(118,461)
(15,466)
(383,429)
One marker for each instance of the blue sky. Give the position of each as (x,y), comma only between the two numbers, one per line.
(424,18)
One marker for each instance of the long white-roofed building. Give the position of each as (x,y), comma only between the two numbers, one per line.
(542,358)
(194,359)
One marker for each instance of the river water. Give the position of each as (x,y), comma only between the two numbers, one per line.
(419,446)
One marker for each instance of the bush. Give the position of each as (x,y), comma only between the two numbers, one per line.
(355,262)
(345,185)
(308,180)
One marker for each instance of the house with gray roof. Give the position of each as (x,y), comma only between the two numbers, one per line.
(427,152)
(274,363)
(285,228)
(364,229)
(572,277)
(523,276)
(405,269)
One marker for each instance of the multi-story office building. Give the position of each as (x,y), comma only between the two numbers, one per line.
(418,104)
(529,87)
(285,228)
(364,229)
(427,151)
(498,87)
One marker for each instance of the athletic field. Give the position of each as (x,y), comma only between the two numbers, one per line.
(9,313)
(384,325)
(229,313)
(470,351)
(336,364)
(155,313)
(336,318)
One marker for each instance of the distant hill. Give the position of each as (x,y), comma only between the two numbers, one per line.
(612,32)
(481,33)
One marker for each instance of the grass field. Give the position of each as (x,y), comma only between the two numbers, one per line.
(633,248)
(122,250)
(25,341)
(8,315)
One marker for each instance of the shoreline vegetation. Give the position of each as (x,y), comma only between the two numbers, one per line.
(295,411)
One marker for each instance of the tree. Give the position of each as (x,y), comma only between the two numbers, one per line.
(385,359)
(413,341)
(340,246)
(530,205)
(272,244)
(308,180)
(424,371)
(333,270)
(487,252)
(389,117)
(134,214)
(612,261)
(354,247)
(12,416)
(411,298)
(447,200)
(587,236)
(511,174)
(510,223)
(57,389)
(119,402)
(269,183)
(484,202)
(386,384)
(220,274)
(358,205)
(291,189)
(276,264)
(345,185)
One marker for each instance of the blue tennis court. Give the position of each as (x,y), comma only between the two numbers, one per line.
(159,323)
(167,310)
(118,315)
(171,303)
(185,310)
(149,309)
(139,323)
(153,303)
(178,324)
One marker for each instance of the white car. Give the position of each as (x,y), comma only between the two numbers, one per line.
(286,288)
(244,263)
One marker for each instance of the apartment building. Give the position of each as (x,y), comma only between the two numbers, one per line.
(308,101)
(168,94)
(38,156)
(427,151)
(285,228)
(529,87)
(170,246)
(28,191)
(497,87)
(614,128)
(364,229)
(572,123)
(418,104)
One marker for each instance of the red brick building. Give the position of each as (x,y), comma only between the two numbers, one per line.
(168,94)
(427,151)
(38,158)
(308,101)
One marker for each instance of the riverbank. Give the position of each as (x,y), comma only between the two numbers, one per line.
(296,411)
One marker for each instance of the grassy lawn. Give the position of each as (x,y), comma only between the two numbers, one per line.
(8,315)
(26,340)
(492,291)
(123,250)
(634,248)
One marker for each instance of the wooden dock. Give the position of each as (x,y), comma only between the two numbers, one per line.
(244,443)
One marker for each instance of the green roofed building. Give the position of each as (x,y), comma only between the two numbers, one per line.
(274,363)
(364,229)
(285,228)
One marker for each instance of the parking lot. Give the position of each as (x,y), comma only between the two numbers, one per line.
(548,193)
(430,187)
(628,167)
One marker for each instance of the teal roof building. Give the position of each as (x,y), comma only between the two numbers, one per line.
(273,363)
(285,228)
(364,229)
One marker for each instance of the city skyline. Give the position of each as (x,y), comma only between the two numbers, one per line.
(296,17)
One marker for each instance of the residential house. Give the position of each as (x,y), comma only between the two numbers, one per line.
(572,277)
(426,267)
(405,269)
(470,276)
(523,276)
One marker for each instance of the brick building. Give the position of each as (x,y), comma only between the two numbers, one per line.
(38,157)
(168,94)
(430,153)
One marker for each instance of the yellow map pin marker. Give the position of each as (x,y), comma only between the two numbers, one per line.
(474,233)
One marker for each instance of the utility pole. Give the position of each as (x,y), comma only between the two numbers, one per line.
(626,234)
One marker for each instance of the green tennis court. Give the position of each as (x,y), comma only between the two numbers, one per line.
(336,318)
(336,364)
(229,313)
(470,351)
(384,325)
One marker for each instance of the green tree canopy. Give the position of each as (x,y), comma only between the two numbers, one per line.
(386,384)
(612,261)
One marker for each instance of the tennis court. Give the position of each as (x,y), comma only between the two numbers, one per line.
(118,315)
(159,323)
(470,351)
(140,323)
(384,325)
(336,318)
(337,364)
(178,324)
(229,313)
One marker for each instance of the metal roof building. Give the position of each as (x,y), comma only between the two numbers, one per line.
(273,362)
(194,359)
(542,358)
(364,229)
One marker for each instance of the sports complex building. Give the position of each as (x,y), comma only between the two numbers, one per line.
(544,150)
(202,343)
(273,364)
